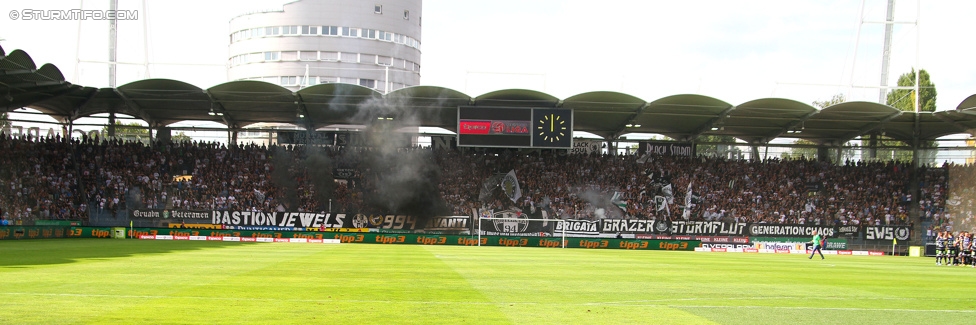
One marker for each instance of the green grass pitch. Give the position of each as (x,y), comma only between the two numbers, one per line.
(82,281)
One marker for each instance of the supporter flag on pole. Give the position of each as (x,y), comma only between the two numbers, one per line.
(662,204)
(668,193)
(617,201)
(511,186)
(686,214)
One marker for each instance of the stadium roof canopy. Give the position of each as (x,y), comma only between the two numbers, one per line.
(683,117)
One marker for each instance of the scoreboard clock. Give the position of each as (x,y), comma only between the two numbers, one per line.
(552,128)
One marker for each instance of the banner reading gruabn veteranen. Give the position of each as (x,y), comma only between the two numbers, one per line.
(170,214)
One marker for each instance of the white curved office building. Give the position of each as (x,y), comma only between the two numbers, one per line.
(375,44)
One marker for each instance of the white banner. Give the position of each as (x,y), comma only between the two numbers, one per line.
(585,147)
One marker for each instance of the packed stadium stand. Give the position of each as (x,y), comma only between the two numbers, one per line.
(51,178)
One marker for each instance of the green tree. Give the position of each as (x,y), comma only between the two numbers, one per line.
(181,137)
(129,131)
(904,100)
(4,123)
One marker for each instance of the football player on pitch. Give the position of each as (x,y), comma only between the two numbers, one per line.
(965,255)
(953,249)
(972,250)
(940,248)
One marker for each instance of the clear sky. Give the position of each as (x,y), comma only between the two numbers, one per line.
(732,50)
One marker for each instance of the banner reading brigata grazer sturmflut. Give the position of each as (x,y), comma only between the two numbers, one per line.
(680,227)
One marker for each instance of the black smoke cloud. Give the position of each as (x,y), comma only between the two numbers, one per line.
(282,176)
(405,179)
(319,169)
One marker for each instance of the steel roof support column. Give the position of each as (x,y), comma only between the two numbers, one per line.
(164,134)
(111,124)
(630,120)
(304,117)
(823,153)
(66,128)
(152,140)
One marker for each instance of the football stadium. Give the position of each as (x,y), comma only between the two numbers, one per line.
(352,213)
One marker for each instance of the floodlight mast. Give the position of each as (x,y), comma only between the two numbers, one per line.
(886,51)
(113,50)
(113,36)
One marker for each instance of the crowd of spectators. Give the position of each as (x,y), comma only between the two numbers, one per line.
(57,178)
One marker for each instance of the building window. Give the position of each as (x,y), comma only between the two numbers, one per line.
(369,33)
(308,55)
(271,30)
(309,82)
(310,30)
(406,14)
(272,56)
(368,83)
(289,30)
(330,30)
(378,9)
(367,58)
(289,55)
(289,81)
(351,32)
(329,56)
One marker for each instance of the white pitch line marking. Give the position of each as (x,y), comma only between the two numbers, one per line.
(645,303)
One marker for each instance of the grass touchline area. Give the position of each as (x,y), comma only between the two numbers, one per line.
(201,282)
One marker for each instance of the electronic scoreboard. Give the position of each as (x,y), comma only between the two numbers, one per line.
(511,127)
